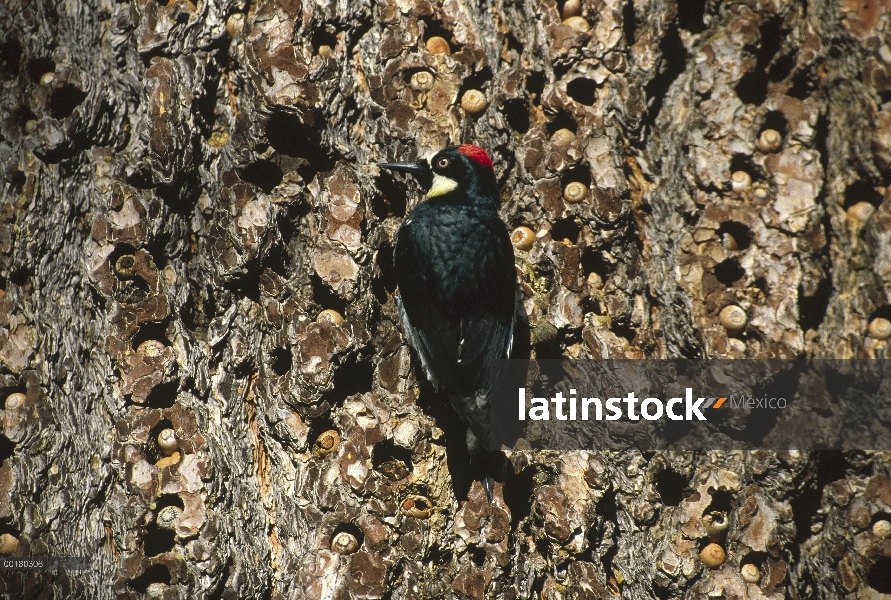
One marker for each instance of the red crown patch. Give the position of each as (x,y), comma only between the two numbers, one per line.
(477,154)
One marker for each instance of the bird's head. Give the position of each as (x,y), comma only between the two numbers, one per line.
(466,170)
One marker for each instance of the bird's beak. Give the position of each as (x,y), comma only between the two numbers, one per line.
(416,168)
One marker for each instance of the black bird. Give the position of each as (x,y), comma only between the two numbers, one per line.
(455,271)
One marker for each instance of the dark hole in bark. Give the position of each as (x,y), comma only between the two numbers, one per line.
(782,67)
(479,556)
(671,485)
(743,162)
(721,502)
(288,135)
(593,262)
(10,58)
(802,85)
(354,376)
(535,83)
(37,67)
(157,540)
(151,331)
(324,36)
(812,309)
(324,297)
(20,276)
(582,90)
(861,191)
(883,312)
(772,35)
(7,448)
(517,115)
(580,173)
(391,199)
(385,283)
(674,61)
(566,229)
(163,395)
(476,81)
(739,232)
(247,285)
(879,576)
(774,119)
(829,466)
(165,500)
(317,427)
(264,174)
(820,138)
(154,574)
(629,23)
(690,15)
(65,99)
(662,593)
(728,272)
(761,284)
(514,44)
(282,361)
(755,558)
(393,461)
(562,120)
(752,88)
(519,490)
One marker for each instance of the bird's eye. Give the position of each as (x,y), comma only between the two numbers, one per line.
(442,163)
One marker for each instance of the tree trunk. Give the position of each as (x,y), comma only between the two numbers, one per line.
(193,236)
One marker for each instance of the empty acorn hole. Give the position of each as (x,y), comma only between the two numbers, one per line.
(10,58)
(264,174)
(64,99)
(741,234)
(324,297)
(392,461)
(158,573)
(583,90)
(163,395)
(562,121)
(690,15)
(282,360)
(479,556)
(861,191)
(566,229)
(721,502)
(354,376)
(157,540)
(517,113)
(324,36)
(728,272)
(879,576)
(7,448)
(671,486)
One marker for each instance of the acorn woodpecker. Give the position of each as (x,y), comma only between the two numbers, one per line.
(455,271)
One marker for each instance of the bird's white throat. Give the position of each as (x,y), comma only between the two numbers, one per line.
(441,185)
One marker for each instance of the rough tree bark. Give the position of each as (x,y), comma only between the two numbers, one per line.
(187,187)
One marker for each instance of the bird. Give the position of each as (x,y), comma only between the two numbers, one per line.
(457,281)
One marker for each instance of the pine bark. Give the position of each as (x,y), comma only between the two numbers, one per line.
(190,206)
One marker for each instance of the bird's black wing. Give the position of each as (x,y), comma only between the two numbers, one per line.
(457,290)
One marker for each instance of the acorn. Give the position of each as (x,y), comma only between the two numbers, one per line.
(344,542)
(716,523)
(167,442)
(169,461)
(47,78)
(474,102)
(8,544)
(729,242)
(578,23)
(330,316)
(733,318)
(15,401)
(750,573)
(168,516)
(438,45)
(712,556)
(326,443)
(417,506)
(124,265)
(880,328)
(563,137)
(325,51)
(861,211)
(575,192)
(881,529)
(150,348)
(740,181)
(421,81)
(234,24)
(572,8)
(523,238)
(770,140)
